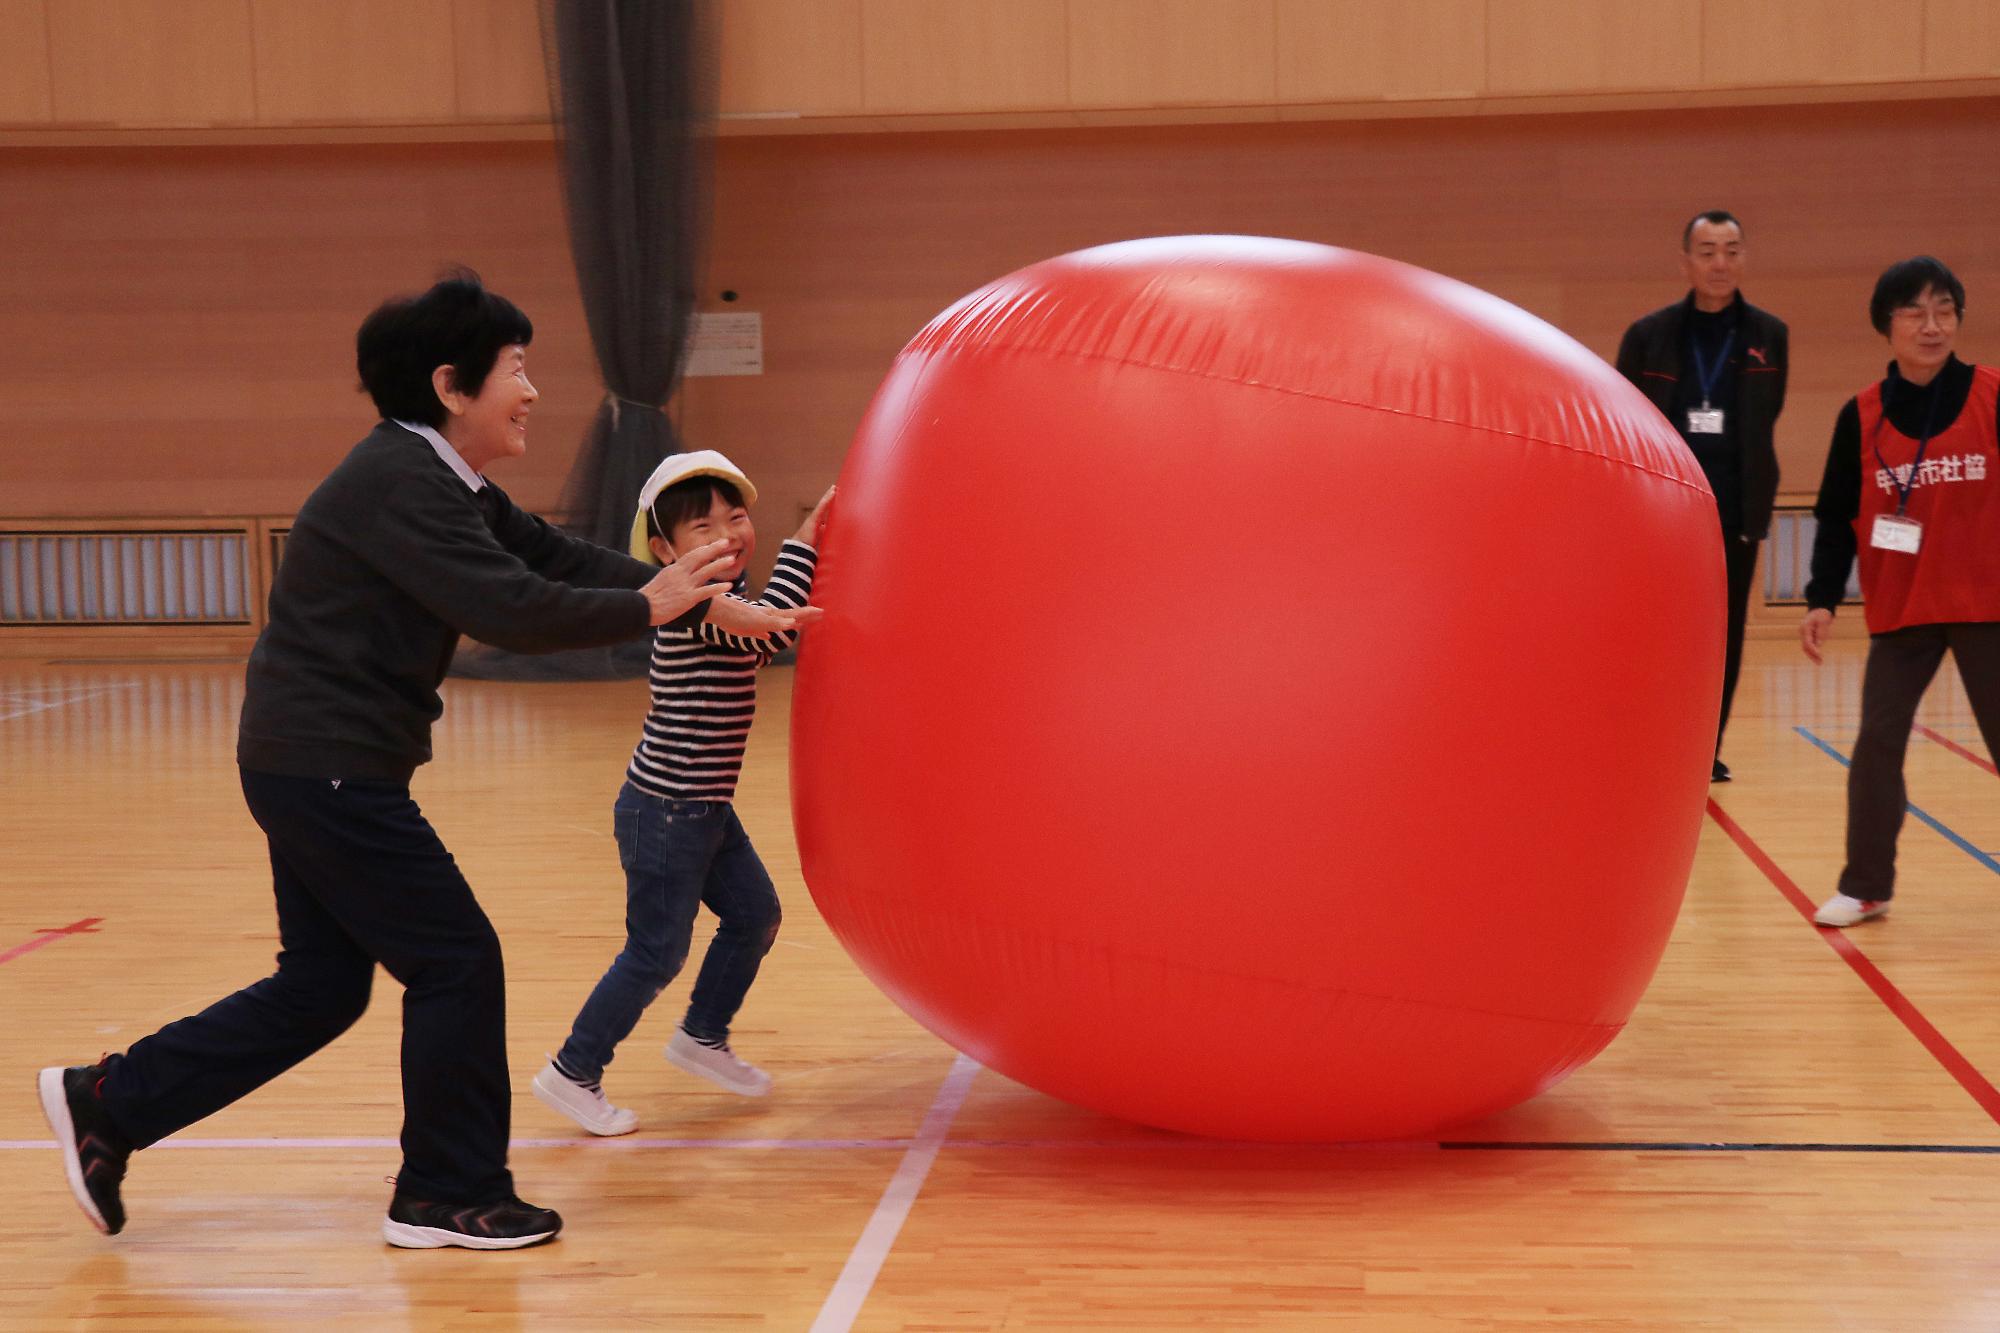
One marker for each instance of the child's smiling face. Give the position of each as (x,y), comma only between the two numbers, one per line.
(723,522)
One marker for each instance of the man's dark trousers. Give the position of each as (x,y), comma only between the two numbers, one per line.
(1740,562)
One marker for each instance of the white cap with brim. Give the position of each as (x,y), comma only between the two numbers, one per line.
(680,467)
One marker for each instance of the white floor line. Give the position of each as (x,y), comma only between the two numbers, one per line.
(844,1302)
(576,1141)
(34,708)
(47,704)
(22,691)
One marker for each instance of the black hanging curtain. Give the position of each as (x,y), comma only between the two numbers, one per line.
(633,92)
(632,84)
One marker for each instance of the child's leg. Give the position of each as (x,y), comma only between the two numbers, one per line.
(666,848)
(739,892)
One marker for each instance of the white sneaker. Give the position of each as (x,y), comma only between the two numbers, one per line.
(717,1064)
(1841,910)
(587,1106)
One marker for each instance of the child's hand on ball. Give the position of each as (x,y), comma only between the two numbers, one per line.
(815,521)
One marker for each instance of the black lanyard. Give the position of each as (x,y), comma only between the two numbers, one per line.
(1903,488)
(1708,377)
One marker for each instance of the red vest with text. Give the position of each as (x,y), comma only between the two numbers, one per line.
(1955,494)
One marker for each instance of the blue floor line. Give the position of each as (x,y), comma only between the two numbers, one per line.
(1939,825)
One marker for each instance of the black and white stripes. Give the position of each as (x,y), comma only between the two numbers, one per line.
(704,695)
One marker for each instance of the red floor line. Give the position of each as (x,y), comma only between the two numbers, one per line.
(87,926)
(1885,990)
(1957,749)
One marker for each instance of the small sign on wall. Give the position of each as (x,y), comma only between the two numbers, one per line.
(726,344)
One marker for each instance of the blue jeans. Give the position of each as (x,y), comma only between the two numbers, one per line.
(678,855)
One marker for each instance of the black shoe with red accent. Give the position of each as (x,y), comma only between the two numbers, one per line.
(93,1150)
(508,1224)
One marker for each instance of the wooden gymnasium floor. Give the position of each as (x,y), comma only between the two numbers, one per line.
(1796,1132)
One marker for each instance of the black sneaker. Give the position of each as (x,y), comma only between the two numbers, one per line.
(93,1150)
(1720,773)
(509,1224)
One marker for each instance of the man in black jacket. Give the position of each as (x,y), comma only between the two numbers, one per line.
(1715,365)
(405,545)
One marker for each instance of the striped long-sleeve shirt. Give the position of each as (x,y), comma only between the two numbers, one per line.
(704,694)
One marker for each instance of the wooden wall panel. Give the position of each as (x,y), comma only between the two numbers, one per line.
(1577,46)
(844,279)
(497,58)
(136,62)
(1343,50)
(301,70)
(387,61)
(1961,39)
(1757,44)
(180,321)
(186,316)
(964,55)
(1137,53)
(24,63)
(791,56)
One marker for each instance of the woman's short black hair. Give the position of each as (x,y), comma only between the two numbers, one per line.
(1902,283)
(457,323)
(689,499)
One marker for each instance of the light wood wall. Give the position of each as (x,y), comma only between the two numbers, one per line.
(185,317)
(850,245)
(235,64)
(91,70)
(179,321)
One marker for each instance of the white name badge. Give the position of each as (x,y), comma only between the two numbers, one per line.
(1704,421)
(1894,533)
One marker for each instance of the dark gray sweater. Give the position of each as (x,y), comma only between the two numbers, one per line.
(388,562)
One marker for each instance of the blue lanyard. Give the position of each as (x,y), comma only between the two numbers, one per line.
(1903,489)
(1706,375)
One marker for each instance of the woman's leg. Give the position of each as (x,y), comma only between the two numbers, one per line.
(192,1068)
(1976,647)
(1899,670)
(370,859)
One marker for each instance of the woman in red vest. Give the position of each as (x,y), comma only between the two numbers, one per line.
(1913,482)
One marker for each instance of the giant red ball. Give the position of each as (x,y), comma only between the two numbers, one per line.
(1266,690)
